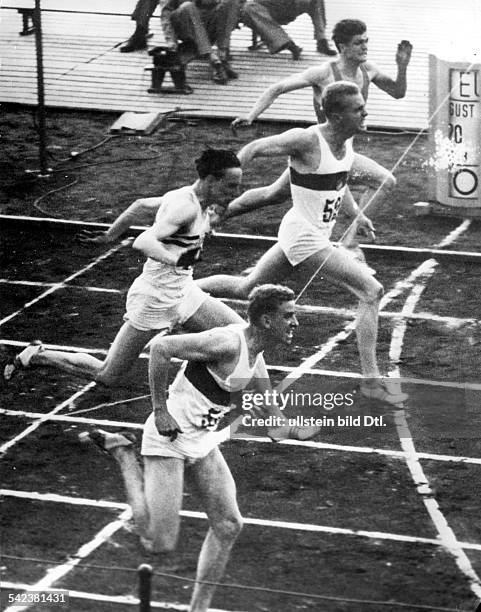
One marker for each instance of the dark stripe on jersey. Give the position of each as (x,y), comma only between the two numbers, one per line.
(319,182)
(186,237)
(176,242)
(198,374)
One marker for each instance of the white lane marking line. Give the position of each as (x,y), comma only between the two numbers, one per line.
(56,347)
(454,235)
(254,238)
(61,284)
(73,419)
(115,599)
(261,440)
(56,573)
(6,281)
(45,417)
(447,536)
(309,309)
(294,526)
(387,314)
(277,368)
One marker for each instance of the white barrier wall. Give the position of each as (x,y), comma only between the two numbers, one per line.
(455,133)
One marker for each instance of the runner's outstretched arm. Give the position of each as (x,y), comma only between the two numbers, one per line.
(140,212)
(308,78)
(395,88)
(259,197)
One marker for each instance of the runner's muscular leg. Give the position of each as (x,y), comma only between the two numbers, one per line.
(218,492)
(163,487)
(354,276)
(272,267)
(122,354)
(211,313)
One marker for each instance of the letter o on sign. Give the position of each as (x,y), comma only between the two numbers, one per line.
(465,181)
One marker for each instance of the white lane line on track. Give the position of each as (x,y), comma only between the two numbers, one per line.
(274,368)
(114,599)
(61,284)
(253,238)
(260,440)
(6,281)
(56,573)
(45,417)
(293,526)
(446,534)
(303,308)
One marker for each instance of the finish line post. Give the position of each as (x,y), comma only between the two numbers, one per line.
(454,170)
(145,587)
(37,24)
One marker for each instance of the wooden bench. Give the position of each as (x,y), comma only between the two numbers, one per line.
(164,60)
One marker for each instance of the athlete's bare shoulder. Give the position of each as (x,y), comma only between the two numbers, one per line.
(371,69)
(319,76)
(179,205)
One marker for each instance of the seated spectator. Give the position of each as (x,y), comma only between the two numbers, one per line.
(265,18)
(143,11)
(207,24)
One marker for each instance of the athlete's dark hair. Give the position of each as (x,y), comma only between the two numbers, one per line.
(215,162)
(346,29)
(265,299)
(334,96)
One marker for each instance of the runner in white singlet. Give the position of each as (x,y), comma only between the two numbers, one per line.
(181,434)
(316,199)
(303,244)
(164,294)
(350,38)
(199,399)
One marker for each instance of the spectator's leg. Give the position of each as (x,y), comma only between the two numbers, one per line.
(258,18)
(188,26)
(143,11)
(191,24)
(221,21)
(316,11)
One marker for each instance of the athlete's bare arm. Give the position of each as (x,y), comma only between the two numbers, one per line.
(213,346)
(375,177)
(140,212)
(367,171)
(173,219)
(296,142)
(360,223)
(258,197)
(395,88)
(316,77)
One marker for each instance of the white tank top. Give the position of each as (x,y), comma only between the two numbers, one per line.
(199,396)
(186,238)
(317,196)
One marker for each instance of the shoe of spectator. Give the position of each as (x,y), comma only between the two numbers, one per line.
(136,42)
(296,52)
(219,75)
(229,71)
(293,48)
(324,48)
